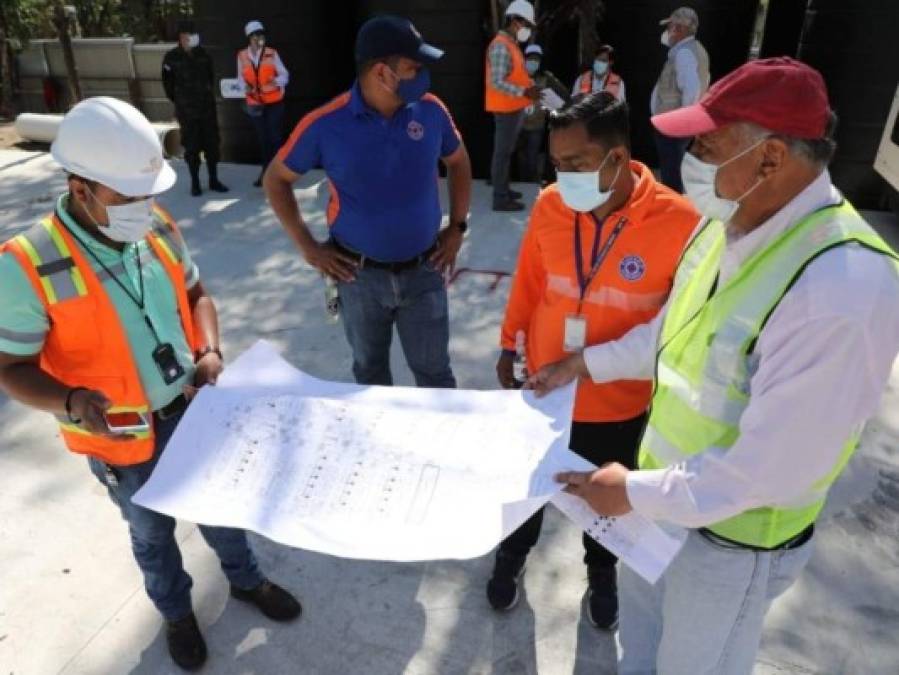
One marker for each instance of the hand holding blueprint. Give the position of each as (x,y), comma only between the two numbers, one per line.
(387,473)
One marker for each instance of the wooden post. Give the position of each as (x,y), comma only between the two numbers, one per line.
(62,23)
(6,99)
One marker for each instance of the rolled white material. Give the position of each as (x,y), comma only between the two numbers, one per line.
(42,129)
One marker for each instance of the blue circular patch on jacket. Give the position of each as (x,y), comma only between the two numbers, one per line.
(632,268)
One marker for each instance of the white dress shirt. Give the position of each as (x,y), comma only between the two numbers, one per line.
(824,358)
(686,68)
(282,77)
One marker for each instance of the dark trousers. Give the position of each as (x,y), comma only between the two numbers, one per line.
(268,121)
(671,154)
(600,443)
(531,144)
(505,136)
(200,134)
(153,535)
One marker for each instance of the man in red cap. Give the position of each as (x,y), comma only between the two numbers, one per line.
(770,354)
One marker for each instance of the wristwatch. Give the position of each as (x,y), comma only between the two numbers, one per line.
(206,350)
(463,226)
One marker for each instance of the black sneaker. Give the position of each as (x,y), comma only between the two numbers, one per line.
(508,205)
(195,189)
(217,186)
(602,598)
(186,644)
(502,589)
(515,194)
(272,600)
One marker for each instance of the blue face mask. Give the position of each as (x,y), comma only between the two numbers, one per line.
(532,66)
(600,67)
(412,90)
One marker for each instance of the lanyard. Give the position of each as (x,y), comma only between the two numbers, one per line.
(136,299)
(597,259)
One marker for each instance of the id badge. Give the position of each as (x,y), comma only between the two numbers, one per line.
(167,362)
(575,338)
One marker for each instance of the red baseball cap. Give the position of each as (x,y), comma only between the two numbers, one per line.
(781,94)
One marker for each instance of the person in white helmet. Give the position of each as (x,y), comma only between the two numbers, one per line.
(509,89)
(265,79)
(104,323)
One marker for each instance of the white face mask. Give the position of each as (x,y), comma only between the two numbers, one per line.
(193,40)
(699,183)
(523,34)
(600,67)
(128,223)
(580,190)
(666,39)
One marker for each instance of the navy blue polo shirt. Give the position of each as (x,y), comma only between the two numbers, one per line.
(385,200)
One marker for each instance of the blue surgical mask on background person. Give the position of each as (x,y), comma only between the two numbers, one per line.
(532,65)
(600,67)
(193,40)
(580,190)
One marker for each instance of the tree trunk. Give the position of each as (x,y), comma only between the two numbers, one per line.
(6,87)
(587,38)
(62,22)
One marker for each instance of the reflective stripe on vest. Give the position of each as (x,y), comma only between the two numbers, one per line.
(499,101)
(49,253)
(705,358)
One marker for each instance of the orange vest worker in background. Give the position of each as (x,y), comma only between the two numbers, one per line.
(597,259)
(265,78)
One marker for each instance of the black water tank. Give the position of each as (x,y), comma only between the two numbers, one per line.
(854,45)
(632,26)
(314,40)
(458,78)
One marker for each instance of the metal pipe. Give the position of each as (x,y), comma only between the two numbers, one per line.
(42,129)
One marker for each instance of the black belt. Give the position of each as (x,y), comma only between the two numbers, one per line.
(176,407)
(788,545)
(364,261)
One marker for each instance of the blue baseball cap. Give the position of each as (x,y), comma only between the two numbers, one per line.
(388,35)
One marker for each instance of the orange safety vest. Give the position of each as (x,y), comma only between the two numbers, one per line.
(87,345)
(613,83)
(631,286)
(263,89)
(499,101)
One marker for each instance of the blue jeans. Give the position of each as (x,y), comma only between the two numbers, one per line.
(705,615)
(153,536)
(268,121)
(413,299)
(671,154)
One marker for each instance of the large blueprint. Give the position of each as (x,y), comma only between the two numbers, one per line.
(389,473)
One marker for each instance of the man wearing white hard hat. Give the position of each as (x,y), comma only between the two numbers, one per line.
(508,91)
(533,129)
(264,78)
(104,323)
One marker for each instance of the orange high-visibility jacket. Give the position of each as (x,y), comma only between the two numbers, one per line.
(613,83)
(500,101)
(87,345)
(261,85)
(629,289)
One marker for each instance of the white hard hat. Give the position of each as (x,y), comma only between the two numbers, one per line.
(523,9)
(253,27)
(533,49)
(111,142)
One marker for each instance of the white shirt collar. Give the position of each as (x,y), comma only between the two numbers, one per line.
(817,194)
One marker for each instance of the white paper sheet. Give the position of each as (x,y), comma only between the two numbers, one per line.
(386,473)
(231,88)
(550,99)
(636,540)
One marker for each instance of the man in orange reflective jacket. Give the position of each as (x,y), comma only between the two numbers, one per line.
(597,259)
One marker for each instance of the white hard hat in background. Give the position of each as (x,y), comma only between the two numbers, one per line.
(253,27)
(521,8)
(111,142)
(533,49)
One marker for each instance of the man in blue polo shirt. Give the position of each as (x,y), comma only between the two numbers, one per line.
(379,144)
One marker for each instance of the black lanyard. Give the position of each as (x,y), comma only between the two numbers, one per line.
(597,258)
(136,299)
